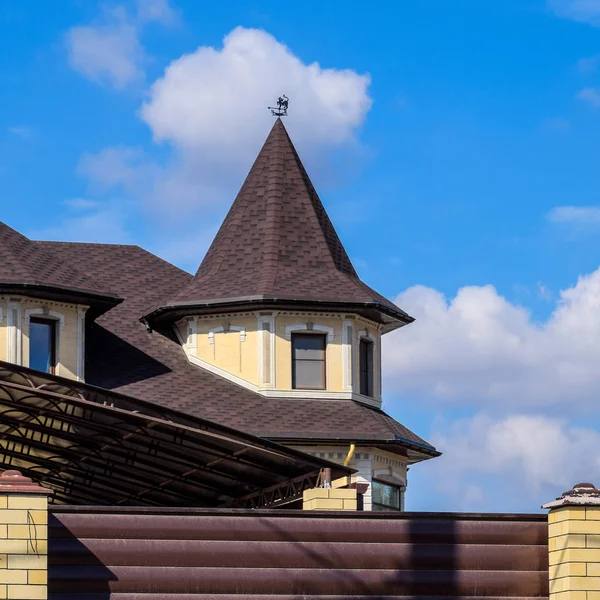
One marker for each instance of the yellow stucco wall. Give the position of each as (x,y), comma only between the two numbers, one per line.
(231,350)
(219,343)
(67,335)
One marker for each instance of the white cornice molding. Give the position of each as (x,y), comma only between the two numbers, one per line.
(309,327)
(50,314)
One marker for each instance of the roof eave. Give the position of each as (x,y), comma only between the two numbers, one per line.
(390,318)
(100,302)
(416,451)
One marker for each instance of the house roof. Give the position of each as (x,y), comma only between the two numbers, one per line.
(27,267)
(278,245)
(123,356)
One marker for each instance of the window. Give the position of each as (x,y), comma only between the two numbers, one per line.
(42,345)
(308,361)
(387,496)
(366,367)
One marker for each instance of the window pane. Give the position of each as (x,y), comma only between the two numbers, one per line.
(308,346)
(309,374)
(41,345)
(366,367)
(386,495)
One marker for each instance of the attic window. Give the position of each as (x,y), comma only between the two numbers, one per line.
(42,345)
(308,361)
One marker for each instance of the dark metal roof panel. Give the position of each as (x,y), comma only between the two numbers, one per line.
(96,447)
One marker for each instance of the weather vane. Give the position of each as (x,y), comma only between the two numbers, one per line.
(282,106)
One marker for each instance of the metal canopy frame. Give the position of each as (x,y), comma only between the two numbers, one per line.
(93,446)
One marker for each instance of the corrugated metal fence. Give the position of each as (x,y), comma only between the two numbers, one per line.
(148,554)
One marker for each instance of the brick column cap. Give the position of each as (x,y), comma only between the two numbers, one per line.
(582,494)
(13,482)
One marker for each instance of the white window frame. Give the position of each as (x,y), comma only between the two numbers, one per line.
(365,334)
(309,328)
(57,317)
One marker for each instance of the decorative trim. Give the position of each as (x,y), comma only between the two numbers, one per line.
(44,312)
(389,475)
(81,344)
(365,334)
(266,352)
(309,326)
(319,395)
(347,353)
(225,329)
(13,335)
(191,328)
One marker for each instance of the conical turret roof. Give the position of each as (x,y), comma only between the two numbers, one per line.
(278,245)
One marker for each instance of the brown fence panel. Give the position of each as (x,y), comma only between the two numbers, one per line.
(147,554)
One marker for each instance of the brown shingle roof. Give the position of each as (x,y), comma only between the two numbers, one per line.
(27,265)
(278,243)
(123,356)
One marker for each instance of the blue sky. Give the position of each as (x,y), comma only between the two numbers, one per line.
(453,143)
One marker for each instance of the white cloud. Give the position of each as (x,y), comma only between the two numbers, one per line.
(95,222)
(110,50)
(81,203)
(584,215)
(478,349)
(213,101)
(591,96)
(158,11)
(588,65)
(210,108)
(22,131)
(586,11)
(519,461)
(119,166)
(556,125)
(107,53)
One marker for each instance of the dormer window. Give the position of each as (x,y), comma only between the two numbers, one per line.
(366,367)
(42,344)
(308,361)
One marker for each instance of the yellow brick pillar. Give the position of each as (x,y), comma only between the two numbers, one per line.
(329,499)
(23,538)
(574,544)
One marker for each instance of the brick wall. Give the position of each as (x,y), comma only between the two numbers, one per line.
(23,538)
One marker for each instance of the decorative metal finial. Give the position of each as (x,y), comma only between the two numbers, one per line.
(282,106)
